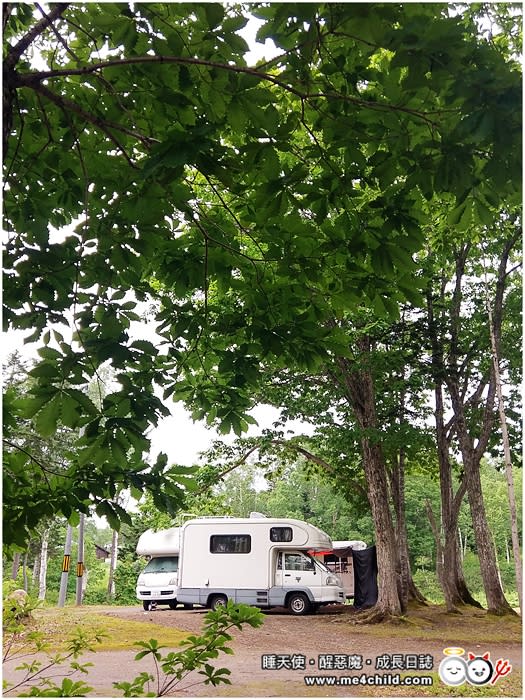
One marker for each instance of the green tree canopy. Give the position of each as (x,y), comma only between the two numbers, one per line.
(179,176)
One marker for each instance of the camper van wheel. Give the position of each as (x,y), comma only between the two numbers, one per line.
(217,601)
(298,604)
(172,604)
(145,604)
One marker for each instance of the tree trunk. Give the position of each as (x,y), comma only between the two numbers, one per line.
(408,589)
(113,564)
(496,601)
(471,451)
(35,575)
(359,389)
(15,566)
(507,458)
(449,566)
(42,578)
(24,571)
(389,601)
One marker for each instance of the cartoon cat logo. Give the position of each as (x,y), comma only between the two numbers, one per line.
(479,669)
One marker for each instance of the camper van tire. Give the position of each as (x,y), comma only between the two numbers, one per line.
(172,604)
(217,601)
(298,604)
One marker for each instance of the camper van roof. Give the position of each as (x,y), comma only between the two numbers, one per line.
(163,542)
(316,538)
(211,520)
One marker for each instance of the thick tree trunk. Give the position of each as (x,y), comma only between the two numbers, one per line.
(359,388)
(389,602)
(496,601)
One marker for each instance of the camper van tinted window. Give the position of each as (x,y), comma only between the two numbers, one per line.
(230,544)
(281,534)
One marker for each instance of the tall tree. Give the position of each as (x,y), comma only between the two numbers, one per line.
(293,187)
(448,558)
(461,352)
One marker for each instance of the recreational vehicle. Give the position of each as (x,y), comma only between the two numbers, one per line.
(260,561)
(157,583)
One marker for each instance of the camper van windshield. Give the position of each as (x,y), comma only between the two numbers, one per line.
(159,564)
(321,565)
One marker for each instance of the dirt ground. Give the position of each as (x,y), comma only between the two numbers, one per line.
(273,660)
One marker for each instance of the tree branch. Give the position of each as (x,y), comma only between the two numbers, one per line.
(59,37)
(18,49)
(30,79)
(105,126)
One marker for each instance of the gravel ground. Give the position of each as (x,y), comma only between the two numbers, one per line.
(295,646)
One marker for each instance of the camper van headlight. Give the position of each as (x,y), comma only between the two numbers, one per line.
(332,580)
(141,581)
(173,581)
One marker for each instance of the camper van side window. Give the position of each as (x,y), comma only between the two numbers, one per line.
(230,544)
(281,534)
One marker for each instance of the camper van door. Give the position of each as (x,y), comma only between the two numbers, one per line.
(298,570)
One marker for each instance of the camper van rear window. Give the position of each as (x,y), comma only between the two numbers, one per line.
(230,544)
(281,534)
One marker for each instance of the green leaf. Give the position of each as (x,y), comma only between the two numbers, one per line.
(47,417)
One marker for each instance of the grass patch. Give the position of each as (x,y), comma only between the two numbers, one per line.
(432,622)
(57,624)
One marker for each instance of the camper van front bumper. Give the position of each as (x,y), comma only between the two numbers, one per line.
(156,593)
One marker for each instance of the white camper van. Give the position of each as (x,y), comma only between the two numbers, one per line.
(157,583)
(264,562)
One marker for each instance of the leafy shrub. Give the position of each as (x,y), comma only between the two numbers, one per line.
(125,578)
(173,668)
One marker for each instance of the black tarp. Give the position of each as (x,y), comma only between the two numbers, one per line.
(365,577)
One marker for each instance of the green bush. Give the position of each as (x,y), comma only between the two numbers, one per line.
(426,581)
(125,578)
(96,596)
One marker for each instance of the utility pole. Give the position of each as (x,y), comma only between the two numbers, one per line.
(80,560)
(66,563)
